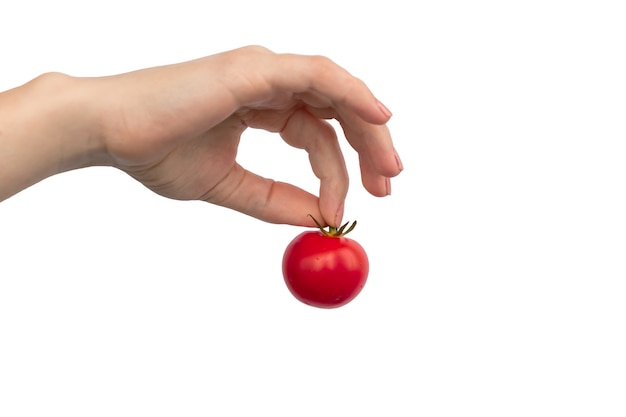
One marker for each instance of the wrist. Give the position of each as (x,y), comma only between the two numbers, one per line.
(68,110)
(47,126)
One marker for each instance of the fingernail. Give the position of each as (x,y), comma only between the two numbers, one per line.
(339,215)
(384,109)
(398,161)
(388,185)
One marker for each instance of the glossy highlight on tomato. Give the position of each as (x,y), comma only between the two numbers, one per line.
(324,268)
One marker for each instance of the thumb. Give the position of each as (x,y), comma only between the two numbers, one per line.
(265,199)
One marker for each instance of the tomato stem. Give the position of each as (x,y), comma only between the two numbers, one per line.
(334,231)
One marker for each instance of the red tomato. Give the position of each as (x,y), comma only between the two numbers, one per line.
(325,270)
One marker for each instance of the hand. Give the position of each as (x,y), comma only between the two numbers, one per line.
(177,129)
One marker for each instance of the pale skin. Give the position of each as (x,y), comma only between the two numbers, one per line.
(176,129)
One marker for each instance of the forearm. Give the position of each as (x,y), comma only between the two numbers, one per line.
(47,126)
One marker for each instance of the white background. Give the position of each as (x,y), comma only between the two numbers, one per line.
(497,284)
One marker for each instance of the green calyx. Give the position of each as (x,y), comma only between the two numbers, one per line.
(335,231)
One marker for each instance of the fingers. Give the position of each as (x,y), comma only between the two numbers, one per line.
(329,90)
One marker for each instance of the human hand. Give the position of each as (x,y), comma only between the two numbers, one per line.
(177,128)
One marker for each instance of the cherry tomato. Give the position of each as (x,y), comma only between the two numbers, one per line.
(324,268)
